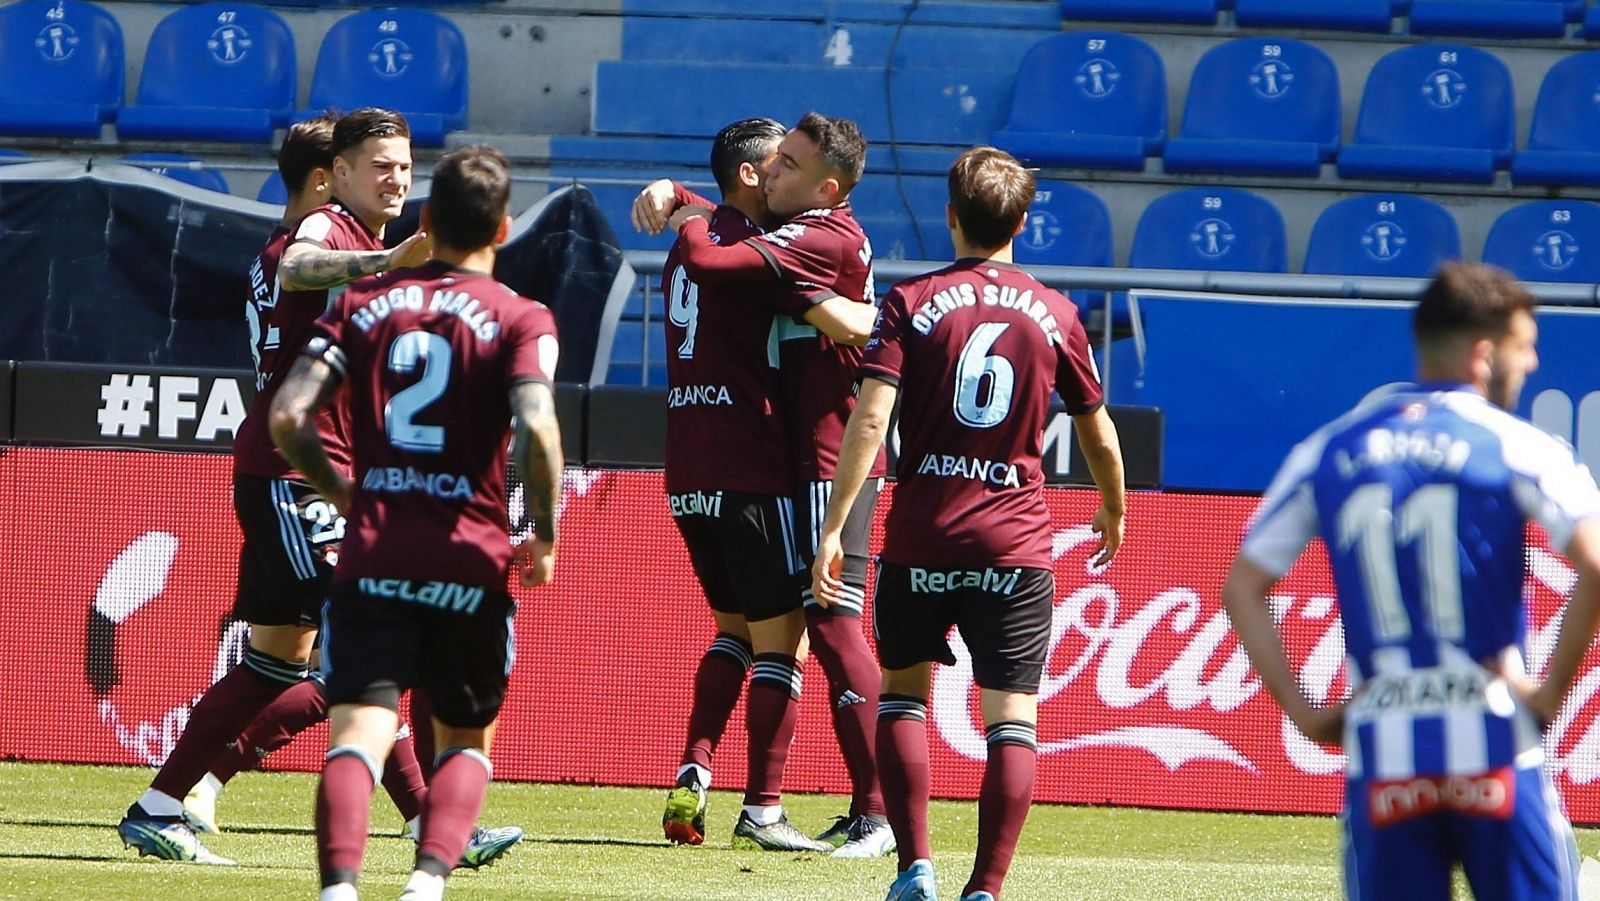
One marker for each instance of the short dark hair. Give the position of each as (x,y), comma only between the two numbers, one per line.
(990,192)
(470,195)
(841,144)
(368,122)
(1474,300)
(307,146)
(745,141)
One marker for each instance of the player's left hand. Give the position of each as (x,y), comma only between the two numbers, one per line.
(685,213)
(536,561)
(827,584)
(1108,526)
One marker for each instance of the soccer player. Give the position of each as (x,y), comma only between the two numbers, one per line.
(819,255)
(438,360)
(1422,495)
(728,481)
(364,161)
(972,351)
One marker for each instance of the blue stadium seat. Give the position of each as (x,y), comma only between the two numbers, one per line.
(844,43)
(881,195)
(273,191)
(931,106)
(180,168)
(1547,241)
(214,72)
(1193,12)
(408,60)
(629,346)
(1224,229)
(9,156)
(1344,15)
(898,238)
(1395,235)
(1067,226)
(1433,112)
(1267,106)
(1561,144)
(1492,18)
(813,10)
(1096,99)
(61,68)
(964,14)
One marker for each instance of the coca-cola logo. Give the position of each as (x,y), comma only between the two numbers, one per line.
(1167,678)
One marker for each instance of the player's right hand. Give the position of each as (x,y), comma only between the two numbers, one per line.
(1108,526)
(1322,724)
(685,213)
(536,562)
(652,207)
(827,586)
(413,251)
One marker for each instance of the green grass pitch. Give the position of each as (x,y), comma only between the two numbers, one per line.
(57,840)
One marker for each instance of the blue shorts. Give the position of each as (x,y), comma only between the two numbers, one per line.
(1505,829)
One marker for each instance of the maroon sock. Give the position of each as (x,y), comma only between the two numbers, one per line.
(422,732)
(221,715)
(841,647)
(455,798)
(289,714)
(770,714)
(1003,802)
(344,802)
(402,777)
(718,682)
(903,768)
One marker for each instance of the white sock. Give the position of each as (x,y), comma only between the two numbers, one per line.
(160,804)
(214,784)
(701,772)
(424,886)
(764,816)
(339,891)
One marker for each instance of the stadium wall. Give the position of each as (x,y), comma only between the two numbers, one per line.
(120,570)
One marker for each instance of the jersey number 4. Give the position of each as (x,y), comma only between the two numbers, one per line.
(1369,526)
(432,353)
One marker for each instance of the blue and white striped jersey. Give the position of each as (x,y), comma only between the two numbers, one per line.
(1421,494)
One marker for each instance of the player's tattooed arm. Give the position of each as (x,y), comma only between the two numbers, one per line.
(537,451)
(307,267)
(538,454)
(308,388)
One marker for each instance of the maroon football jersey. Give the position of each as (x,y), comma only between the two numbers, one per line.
(818,254)
(283,324)
(429,355)
(725,429)
(976,349)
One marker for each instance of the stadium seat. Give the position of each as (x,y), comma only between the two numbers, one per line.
(273,191)
(1491,18)
(1561,144)
(214,72)
(1260,106)
(638,353)
(813,10)
(61,68)
(1393,235)
(181,168)
(408,60)
(8,156)
(1095,99)
(1067,226)
(1225,229)
(899,238)
(1433,112)
(1547,241)
(1344,15)
(1192,12)
(675,99)
(965,14)
(844,43)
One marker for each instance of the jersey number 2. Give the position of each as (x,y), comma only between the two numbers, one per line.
(432,353)
(1428,519)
